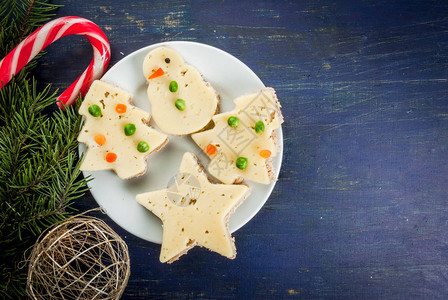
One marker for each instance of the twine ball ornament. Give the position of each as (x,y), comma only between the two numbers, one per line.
(82,258)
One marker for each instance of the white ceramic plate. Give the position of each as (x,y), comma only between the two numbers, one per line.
(230,78)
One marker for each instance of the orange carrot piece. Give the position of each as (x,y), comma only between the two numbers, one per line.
(120,108)
(100,139)
(265,153)
(111,157)
(157,73)
(211,149)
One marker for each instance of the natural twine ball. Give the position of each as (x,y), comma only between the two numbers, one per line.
(82,258)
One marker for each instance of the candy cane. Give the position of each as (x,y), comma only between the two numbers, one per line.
(47,34)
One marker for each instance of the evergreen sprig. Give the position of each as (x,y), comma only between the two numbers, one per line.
(19,18)
(39,164)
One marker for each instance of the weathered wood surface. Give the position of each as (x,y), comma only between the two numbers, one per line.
(361,206)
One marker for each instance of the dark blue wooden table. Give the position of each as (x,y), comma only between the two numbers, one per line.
(361,206)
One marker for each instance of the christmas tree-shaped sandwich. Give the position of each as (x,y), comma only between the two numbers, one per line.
(243,141)
(116,132)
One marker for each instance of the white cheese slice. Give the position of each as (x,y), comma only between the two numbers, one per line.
(201,100)
(110,124)
(243,141)
(194,211)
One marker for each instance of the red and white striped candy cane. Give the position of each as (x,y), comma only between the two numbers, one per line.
(47,34)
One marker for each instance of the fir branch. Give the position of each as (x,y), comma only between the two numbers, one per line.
(18,18)
(40,177)
(39,164)
(25,21)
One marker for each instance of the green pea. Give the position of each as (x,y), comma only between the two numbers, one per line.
(142,147)
(180,104)
(233,122)
(173,86)
(129,129)
(95,110)
(241,163)
(259,127)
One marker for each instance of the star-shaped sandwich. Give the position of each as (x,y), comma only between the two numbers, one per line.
(194,211)
(243,141)
(116,132)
